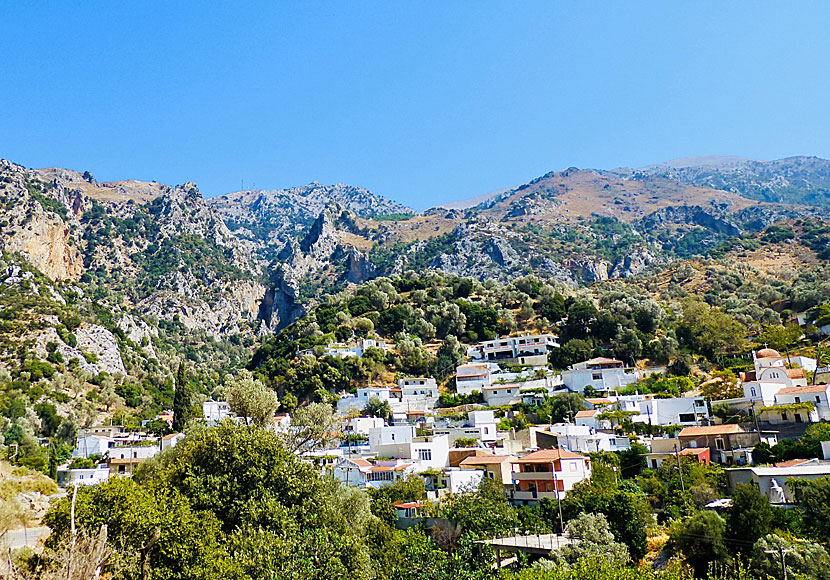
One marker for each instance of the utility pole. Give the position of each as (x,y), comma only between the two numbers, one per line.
(679,468)
(783,552)
(558,499)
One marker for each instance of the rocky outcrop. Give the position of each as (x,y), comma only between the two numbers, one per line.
(283,212)
(691,215)
(635,263)
(591,269)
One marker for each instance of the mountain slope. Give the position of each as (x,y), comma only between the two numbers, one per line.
(799,180)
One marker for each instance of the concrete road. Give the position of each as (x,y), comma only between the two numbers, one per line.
(24,537)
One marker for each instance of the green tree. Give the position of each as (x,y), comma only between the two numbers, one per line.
(450,354)
(627,512)
(250,399)
(313,427)
(750,517)
(814,497)
(700,540)
(377,408)
(594,540)
(805,559)
(481,512)
(157,526)
(182,400)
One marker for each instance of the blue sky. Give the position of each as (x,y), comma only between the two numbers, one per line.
(422,102)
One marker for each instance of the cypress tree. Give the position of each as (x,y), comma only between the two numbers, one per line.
(181,400)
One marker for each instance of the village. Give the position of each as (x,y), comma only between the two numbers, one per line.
(452,449)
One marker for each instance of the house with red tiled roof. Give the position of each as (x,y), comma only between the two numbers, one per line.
(360,472)
(729,444)
(170,440)
(590,418)
(656,459)
(496,467)
(548,473)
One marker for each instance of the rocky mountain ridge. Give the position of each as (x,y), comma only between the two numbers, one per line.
(796,180)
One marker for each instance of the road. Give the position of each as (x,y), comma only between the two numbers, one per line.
(24,537)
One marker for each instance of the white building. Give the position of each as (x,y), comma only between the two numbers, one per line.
(362,425)
(480,425)
(215,411)
(770,376)
(355,403)
(401,441)
(603,374)
(359,472)
(792,397)
(137,451)
(83,475)
(589,418)
(452,480)
(674,411)
(92,445)
(171,440)
(502,395)
(474,377)
(577,438)
(343,350)
(773,481)
(418,387)
(527,349)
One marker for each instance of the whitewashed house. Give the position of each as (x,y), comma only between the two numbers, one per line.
(789,400)
(674,411)
(527,349)
(362,425)
(359,472)
(82,475)
(499,395)
(577,438)
(474,377)
(92,445)
(171,440)
(402,442)
(603,374)
(215,411)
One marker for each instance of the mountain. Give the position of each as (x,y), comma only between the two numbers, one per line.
(132,249)
(798,180)
(280,213)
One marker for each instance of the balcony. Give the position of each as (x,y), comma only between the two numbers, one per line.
(536,475)
(536,495)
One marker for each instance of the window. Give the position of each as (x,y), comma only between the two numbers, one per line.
(686,417)
(752,390)
(818,400)
(425,454)
(798,399)
(573,466)
(700,403)
(719,444)
(596,376)
(783,415)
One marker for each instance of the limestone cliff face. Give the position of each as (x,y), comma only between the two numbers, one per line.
(321,256)
(163,248)
(46,244)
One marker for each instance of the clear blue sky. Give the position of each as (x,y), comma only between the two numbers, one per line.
(422,102)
